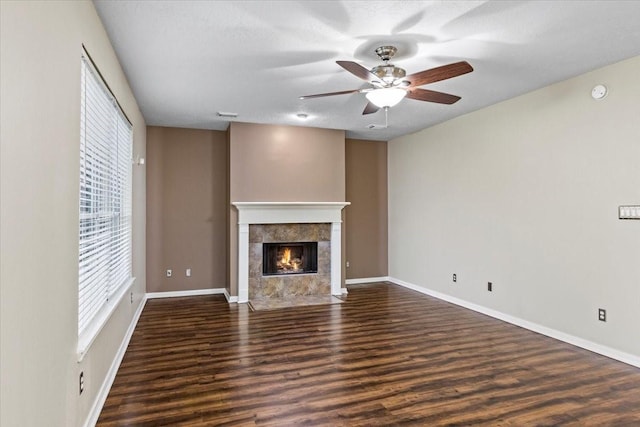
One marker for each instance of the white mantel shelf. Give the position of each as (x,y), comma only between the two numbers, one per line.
(249,204)
(287,213)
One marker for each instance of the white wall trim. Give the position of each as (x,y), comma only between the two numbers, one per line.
(230,299)
(621,356)
(336,258)
(289,212)
(191,293)
(366,280)
(101,397)
(86,339)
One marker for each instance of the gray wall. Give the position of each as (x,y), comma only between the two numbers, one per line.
(525,194)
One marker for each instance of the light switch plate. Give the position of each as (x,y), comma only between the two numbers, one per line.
(629,212)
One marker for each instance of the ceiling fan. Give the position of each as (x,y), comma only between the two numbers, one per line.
(390,84)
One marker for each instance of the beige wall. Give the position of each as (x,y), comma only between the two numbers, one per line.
(270,163)
(366,217)
(525,194)
(40,53)
(286,164)
(186,210)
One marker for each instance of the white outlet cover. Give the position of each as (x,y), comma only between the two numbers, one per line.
(629,212)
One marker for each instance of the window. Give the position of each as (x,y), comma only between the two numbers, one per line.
(105,204)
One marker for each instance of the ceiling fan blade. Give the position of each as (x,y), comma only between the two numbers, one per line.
(319,95)
(439,73)
(370,108)
(358,71)
(432,96)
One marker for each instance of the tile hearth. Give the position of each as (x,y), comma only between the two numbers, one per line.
(278,303)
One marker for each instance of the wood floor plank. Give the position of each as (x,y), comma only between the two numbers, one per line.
(386,356)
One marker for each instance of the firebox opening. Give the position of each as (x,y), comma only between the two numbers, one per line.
(289,258)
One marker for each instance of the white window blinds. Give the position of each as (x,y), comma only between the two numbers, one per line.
(105,199)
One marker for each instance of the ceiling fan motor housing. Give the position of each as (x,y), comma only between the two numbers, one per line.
(386,52)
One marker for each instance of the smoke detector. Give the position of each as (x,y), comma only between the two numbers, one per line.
(599,92)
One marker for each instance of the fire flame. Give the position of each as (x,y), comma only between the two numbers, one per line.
(289,262)
(286,256)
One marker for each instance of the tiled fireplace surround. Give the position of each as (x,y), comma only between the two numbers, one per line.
(271,222)
(289,285)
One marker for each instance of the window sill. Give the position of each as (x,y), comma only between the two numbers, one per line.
(89,336)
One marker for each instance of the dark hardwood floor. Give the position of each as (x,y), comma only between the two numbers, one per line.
(387,356)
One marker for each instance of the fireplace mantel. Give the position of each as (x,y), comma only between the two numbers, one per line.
(287,213)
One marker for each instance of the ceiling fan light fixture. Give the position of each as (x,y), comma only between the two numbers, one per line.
(386,97)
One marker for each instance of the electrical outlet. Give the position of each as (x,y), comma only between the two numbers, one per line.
(169,272)
(81,382)
(629,212)
(455,277)
(131,297)
(188,272)
(490,286)
(347,264)
(602,315)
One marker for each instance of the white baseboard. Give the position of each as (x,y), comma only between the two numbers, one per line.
(230,299)
(366,280)
(194,292)
(612,353)
(101,397)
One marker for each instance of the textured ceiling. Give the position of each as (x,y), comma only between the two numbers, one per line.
(187,60)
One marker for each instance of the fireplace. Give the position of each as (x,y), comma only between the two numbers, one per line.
(296,222)
(289,258)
